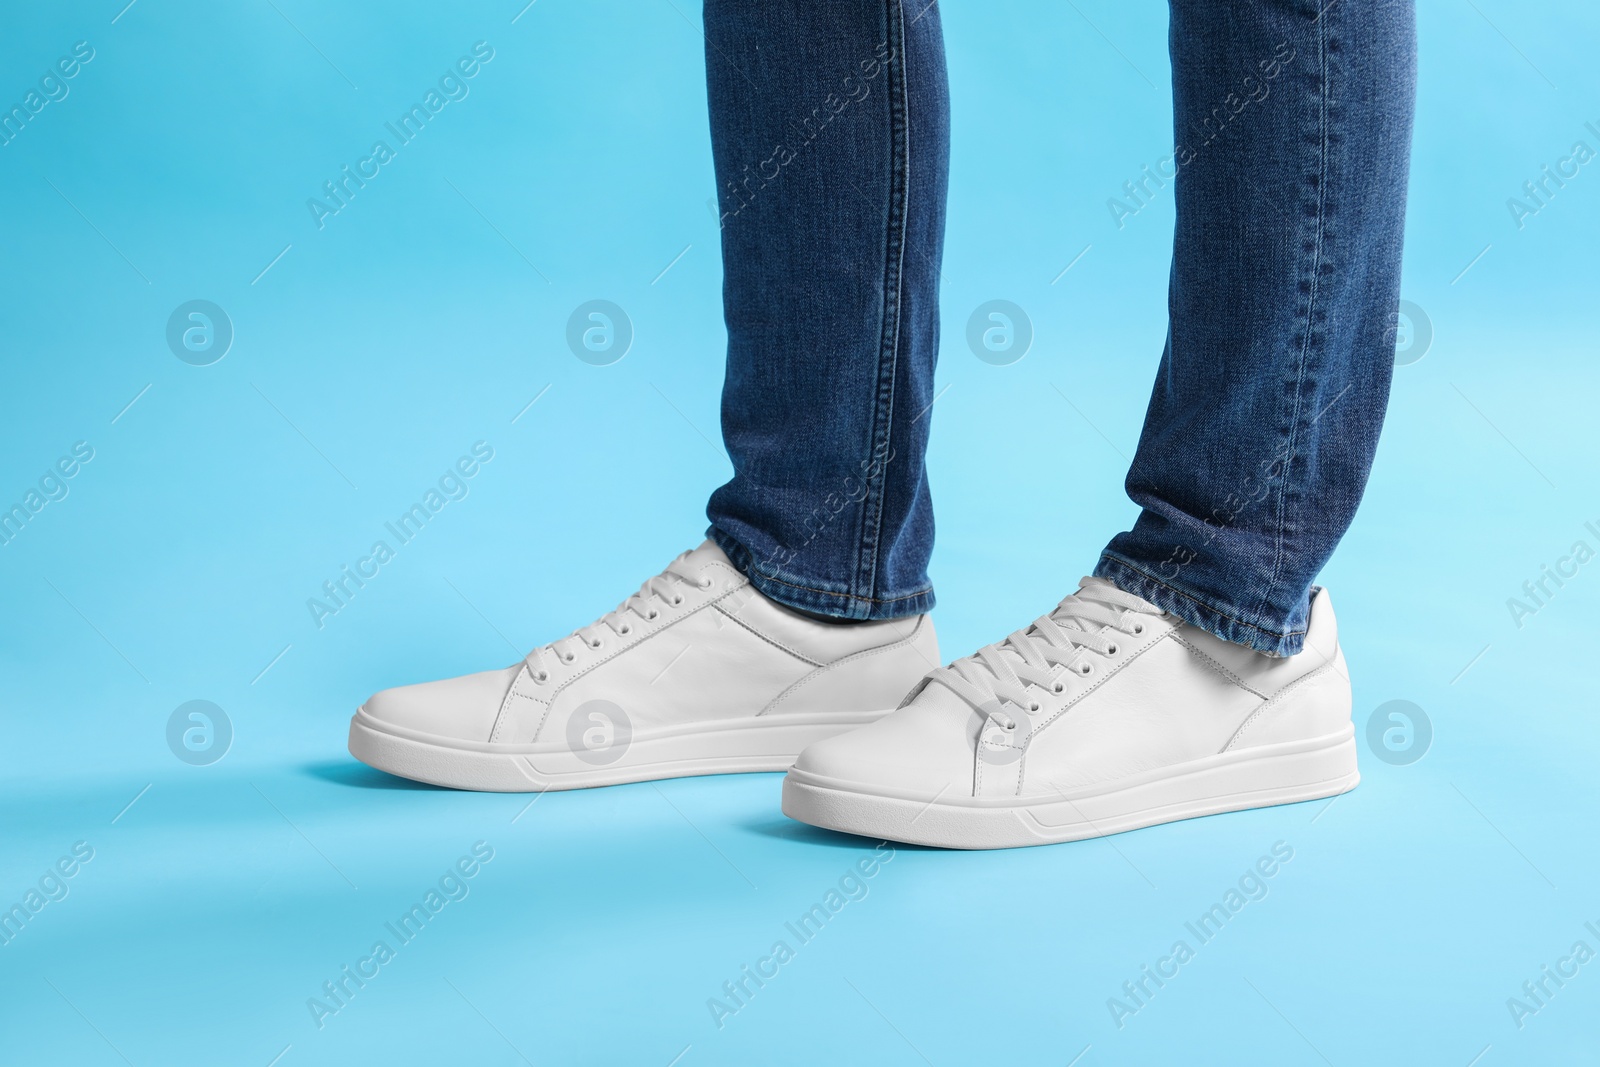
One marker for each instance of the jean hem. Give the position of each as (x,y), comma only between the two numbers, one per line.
(1197,609)
(792,591)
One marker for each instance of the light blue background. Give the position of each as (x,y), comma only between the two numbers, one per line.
(424,318)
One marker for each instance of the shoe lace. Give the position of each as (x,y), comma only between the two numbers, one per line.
(1001,673)
(641,605)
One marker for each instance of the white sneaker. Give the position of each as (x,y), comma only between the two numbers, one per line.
(1106,715)
(696,673)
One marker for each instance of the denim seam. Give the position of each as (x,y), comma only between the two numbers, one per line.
(1153,580)
(872,504)
(924,591)
(736,552)
(1310,333)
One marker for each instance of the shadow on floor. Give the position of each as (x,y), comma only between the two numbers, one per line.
(800,833)
(358,775)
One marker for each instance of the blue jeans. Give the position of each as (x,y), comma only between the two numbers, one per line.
(830,136)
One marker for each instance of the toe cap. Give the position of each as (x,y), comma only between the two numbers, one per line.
(926,747)
(463,708)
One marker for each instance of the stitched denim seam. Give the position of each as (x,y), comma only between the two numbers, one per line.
(872,504)
(737,551)
(1153,580)
(850,596)
(1323,98)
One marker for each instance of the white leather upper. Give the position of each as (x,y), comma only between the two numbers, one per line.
(1171,694)
(716,650)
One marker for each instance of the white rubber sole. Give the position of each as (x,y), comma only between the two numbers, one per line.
(1231,781)
(735,746)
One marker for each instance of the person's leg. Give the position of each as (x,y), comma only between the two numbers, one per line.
(1293,133)
(829,126)
(830,136)
(1199,672)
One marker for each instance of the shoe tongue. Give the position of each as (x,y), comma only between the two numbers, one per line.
(691,565)
(1094,590)
(706,554)
(1065,615)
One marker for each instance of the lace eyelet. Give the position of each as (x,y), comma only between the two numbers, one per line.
(653,616)
(1085,669)
(677,600)
(626,630)
(705,583)
(570,659)
(1113,650)
(541,678)
(595,643)
(1058,689)
(1138,628)
(1034,707)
